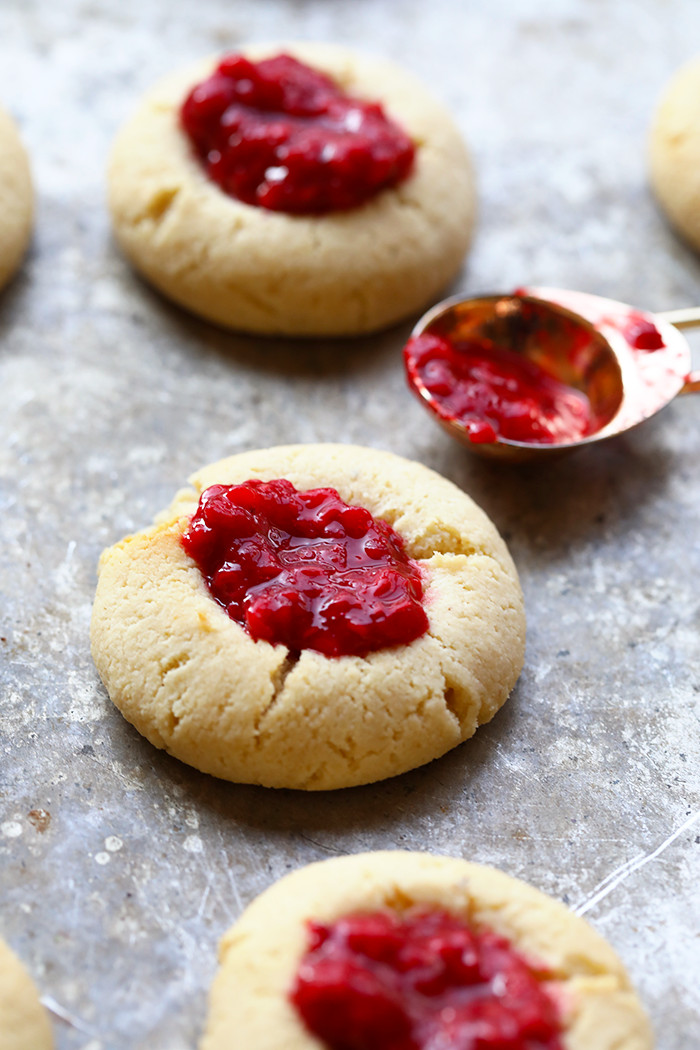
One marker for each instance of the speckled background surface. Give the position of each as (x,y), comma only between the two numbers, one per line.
(119,867)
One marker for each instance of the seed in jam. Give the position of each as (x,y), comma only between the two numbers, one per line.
(283,136)
(306,569)
(494,392)
(421,981)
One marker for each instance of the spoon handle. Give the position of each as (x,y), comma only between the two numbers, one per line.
(692,384)
(687,318)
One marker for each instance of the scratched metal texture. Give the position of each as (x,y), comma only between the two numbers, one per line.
(119,867)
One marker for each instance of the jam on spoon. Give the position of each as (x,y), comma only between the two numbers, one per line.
(546,370)
(494,391)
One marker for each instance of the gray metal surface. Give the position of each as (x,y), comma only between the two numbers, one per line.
(119,867)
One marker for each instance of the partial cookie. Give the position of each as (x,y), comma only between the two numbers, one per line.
(269,977)
(674,152)
(23,1021)
(341,273)
(16,199)
(194,682)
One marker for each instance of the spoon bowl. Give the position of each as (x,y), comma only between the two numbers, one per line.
(628,363)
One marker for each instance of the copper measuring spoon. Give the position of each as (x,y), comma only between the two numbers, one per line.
(584,341)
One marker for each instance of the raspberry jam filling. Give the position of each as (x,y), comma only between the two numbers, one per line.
(423,981)
(494,392)
(282,136)
(305,569)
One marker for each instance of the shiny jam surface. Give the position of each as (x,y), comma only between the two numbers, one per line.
(282,136)
(305,569)
(422,981)
(495,392)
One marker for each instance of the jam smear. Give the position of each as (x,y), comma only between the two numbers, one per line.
(305,569)
(494,392)
(282,136)
(421,981)
(639,331)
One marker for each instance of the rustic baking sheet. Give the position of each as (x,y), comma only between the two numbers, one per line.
(120,867)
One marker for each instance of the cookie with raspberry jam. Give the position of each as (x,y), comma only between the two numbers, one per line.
(16,199)
(297,189)
(409,951)
(310,616)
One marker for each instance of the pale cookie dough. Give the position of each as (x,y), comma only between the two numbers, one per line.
(23,1021)
(16,199)
(193,681)
(248,268)
(259,956)
(674,152)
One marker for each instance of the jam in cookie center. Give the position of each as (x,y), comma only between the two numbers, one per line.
(282,136)
(422,981)
(305,569)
